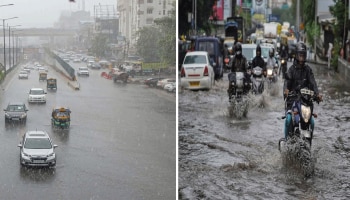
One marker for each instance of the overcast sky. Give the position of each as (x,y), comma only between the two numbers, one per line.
(43,13)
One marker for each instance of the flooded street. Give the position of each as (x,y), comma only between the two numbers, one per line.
(223,157)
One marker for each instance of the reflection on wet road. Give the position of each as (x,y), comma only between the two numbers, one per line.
(221,157)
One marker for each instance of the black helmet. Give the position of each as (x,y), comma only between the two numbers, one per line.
(238,49)
(301,53)
(258,49)
(272,52)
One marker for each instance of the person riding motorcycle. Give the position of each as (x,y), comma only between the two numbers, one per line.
(271,60)
(299,75)
(258,60)
(239,64)
(283,55)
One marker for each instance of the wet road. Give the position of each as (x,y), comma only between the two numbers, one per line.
(121,143)
(221,157)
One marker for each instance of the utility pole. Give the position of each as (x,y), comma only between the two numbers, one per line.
(315,55)
(298,20)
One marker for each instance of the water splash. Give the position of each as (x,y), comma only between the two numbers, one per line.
(296,155)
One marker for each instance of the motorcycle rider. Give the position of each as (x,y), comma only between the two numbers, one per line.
(299,74)
(271,60)
(239,64)
(258,60)
(284,55)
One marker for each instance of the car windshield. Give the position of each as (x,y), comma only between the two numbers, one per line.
(36,92)
(23,72)
(37,143)
(15,108)
(83,68)
(265,52)
(195,59)
(249,53)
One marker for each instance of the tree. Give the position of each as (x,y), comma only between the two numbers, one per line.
(204,11)
(147,43)
(167,38)
(158,42)
(99,45)
(340,11)
(312,30)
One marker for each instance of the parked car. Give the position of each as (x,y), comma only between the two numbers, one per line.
(37,95)
(170,87)
(23,75)
(16,111)
(152,82)
(83,71)
(161,83)
(196,71)
(37,149)
(95,66)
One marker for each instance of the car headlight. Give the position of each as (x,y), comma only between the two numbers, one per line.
(305,113)
(51,154)
(7,115)
(25,155)
(23,115)
(269,72)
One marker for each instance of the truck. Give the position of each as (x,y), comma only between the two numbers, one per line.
(270,30)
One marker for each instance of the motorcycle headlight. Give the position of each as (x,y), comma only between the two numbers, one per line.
(306,113)
(269,72)
(282,61)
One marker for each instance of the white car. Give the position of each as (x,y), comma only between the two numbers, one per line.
(196,71)
(37,149)
(37,95)
(163,82)
(23,75)
(83,71)
(170,87)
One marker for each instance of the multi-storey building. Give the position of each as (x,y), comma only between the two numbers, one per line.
(136,14)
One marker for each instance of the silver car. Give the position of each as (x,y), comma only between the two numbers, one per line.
(37,95)
(36,149)
(16,111)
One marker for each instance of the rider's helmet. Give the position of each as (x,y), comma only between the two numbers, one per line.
(301,53)
(238,50)
(272,52)
(258,50)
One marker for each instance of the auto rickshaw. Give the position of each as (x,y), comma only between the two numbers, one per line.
(51,83)
(60,118)
(42,76)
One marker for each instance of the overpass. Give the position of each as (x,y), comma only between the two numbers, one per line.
(38,32)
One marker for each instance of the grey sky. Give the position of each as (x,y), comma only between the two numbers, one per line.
(43,13)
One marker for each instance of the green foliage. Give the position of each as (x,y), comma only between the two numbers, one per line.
(147,43)
(158,42)
(99,45)
(285,15)
(204,11)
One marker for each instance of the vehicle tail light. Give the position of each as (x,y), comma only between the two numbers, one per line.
(206,71)
(183,74)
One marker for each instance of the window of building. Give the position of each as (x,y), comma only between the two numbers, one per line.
(149,10)
(141,1)
(163,12)
(160,12)
(149,21)
(149,1)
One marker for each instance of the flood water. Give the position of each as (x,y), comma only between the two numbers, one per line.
(225,157)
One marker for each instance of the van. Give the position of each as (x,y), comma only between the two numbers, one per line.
(214,47)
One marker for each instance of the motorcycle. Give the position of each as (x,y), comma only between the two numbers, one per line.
(257,80)
(271,74)
(238,91)
(300,132)
(283,67)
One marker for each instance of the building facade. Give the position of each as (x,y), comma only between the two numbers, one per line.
(136,14)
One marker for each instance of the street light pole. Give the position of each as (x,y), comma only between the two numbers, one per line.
(3,26)
(10,44)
